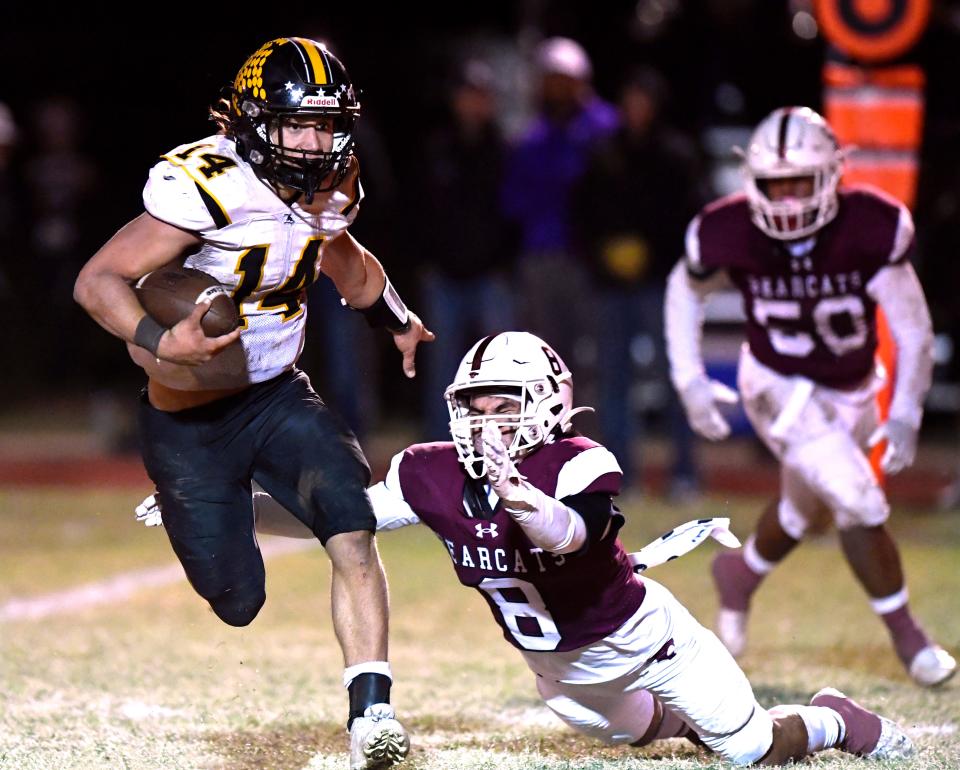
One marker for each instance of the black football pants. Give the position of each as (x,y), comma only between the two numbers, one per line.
(202,460)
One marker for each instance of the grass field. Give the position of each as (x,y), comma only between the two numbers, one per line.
(151,679)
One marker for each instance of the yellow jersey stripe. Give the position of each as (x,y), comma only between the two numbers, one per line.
(316,59)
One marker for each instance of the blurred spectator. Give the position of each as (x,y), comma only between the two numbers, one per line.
(463,235)
(61,185)
(15,315)
(548,161)
(9,246)
(630,210)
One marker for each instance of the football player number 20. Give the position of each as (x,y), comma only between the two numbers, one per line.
(828,316)
(524,613)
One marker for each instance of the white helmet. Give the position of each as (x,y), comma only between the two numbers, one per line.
(792,142)
(516,365)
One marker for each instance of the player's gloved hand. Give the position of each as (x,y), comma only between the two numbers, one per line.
(504,478)
(901,445)
(700,398)
(148,512)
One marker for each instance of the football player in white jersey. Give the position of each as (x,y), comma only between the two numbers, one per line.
(524,507)
(812,263)
(264,206)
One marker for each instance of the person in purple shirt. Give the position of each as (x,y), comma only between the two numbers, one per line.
(541,172)
(523,504)
(812,263)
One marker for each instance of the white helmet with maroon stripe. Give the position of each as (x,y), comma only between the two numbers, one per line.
(792,143)
(516,365)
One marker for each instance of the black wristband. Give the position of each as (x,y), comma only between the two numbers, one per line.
(388,311)
(148,334)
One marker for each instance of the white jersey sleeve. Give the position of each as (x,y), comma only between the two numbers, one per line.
(389,506)
(172,196)
(580,471)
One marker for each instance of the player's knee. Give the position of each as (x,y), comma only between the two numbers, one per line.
(844,482)
(747,745)
(238,607)
(350,551)
(866,507)
(792,520)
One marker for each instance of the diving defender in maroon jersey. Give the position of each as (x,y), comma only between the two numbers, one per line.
(812,264)
(524,506)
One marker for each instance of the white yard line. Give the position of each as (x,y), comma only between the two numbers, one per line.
(944,729)
(121,587)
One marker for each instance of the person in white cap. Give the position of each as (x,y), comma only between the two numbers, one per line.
(548,160)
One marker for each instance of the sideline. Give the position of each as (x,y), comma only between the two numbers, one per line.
(122,586)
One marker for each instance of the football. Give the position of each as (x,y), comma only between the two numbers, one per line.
(170,293)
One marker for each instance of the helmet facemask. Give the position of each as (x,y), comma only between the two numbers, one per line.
(525,425)
(308,171)
(795,217)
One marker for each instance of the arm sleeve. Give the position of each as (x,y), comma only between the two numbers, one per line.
(549,523)
(599,515)
(683,322)
(389,506)
(897,290)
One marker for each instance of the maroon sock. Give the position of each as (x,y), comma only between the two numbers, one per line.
(735,581)
(863,726)
(908,637)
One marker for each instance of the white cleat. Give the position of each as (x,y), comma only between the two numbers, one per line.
(377,739)
(863,736)
(732,630)
(932,666)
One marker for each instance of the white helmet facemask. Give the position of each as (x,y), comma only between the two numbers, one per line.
(791,143)
(523,368)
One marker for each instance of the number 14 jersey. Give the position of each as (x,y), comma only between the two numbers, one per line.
(809,311)
(265,252)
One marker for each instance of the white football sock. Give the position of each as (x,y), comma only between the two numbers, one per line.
(890,603)
(754,560)
(370,667)
(825,727)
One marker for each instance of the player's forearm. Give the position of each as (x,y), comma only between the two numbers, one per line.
(548,523)
(110,301)
(357,274)
(898,292)
(683,326)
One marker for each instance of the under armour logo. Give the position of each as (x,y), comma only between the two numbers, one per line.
(288,219)
(482,530)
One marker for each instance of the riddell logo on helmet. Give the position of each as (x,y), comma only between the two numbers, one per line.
(320,101)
